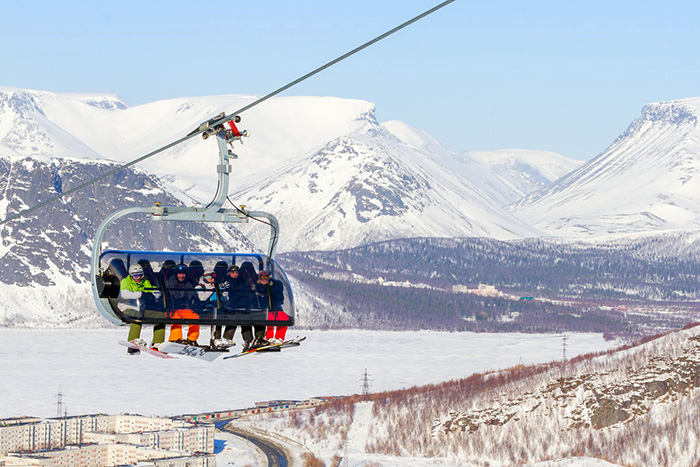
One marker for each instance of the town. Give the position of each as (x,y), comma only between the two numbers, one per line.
(121,440)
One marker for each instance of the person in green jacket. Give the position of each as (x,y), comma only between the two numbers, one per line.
(136,287)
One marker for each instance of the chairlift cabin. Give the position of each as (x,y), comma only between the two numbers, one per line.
(209,300)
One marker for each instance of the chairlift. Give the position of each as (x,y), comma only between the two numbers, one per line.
(212,305)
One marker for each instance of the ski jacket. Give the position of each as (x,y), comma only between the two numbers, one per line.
(131,290)
(205,291)
(180,294)
(237,293)
(270,295)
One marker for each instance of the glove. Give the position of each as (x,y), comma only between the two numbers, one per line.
(157,294)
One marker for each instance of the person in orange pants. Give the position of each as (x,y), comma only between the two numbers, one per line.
(181,294)
(176,329)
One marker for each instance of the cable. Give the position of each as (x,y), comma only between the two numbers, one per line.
(262,221)
(231,115)
(274,244)
(339,59)
(96,179)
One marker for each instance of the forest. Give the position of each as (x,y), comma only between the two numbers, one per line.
(627,286)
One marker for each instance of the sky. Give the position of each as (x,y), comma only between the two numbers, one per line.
(566,77)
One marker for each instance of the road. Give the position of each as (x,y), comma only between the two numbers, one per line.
(276,457)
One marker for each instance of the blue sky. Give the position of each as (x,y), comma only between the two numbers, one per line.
(561,76)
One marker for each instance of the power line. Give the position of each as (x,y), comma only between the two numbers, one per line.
(224,118)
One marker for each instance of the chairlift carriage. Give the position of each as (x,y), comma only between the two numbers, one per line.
(109,267)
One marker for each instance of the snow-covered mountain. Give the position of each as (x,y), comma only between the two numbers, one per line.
(368,186)
(326,167)
(333,175)
(505,175)
(647,180)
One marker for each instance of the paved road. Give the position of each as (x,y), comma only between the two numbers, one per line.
(275,454)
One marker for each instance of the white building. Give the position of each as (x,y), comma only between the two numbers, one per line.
(101,440)
(98,455)
(483,289)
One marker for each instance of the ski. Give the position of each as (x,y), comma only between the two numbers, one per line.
(146,349)
(202,353)
(296,342)
(282,345)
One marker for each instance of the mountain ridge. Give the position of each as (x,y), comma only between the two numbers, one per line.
(287,133)
(647,179)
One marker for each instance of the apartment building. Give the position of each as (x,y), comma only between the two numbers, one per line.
(101,440)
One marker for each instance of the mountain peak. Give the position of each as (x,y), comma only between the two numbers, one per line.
(647,179)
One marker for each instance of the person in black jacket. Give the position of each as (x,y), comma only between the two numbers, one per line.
(181,297)
(234,291)
(250,298)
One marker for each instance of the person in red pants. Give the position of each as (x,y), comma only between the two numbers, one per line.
(272,292)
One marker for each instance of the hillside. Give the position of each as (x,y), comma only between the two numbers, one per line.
(632,406)
(45,257)
(626,286)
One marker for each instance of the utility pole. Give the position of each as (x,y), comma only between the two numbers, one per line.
(365,383)
(59,403)
(563,365)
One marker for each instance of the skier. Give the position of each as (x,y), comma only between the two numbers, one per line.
(135,288)
(249,298)
(272,292)
(233,289)
(181,295)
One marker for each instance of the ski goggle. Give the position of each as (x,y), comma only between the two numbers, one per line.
(137,275)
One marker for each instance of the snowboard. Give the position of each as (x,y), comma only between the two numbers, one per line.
(146,349)
(267,348)
(202,353)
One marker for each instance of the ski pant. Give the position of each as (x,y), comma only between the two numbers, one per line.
(158,332)
(247,332)
(229,332)
(176,329)
(278,332)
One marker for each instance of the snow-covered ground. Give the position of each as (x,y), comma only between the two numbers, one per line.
(234,451)
(355,454)
(95,375)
